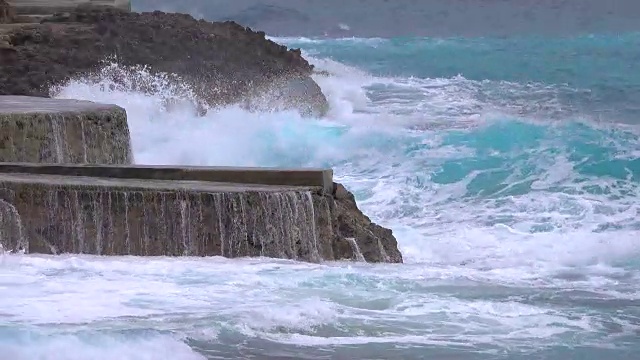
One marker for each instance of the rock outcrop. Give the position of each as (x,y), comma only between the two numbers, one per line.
(375,243)
(352,235)
(223,63)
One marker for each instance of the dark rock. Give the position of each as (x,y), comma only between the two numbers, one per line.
(289,93)
(377,244)
(223,63)
(7,13)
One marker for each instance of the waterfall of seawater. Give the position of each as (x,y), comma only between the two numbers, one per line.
(60,146)
(97,138)
(356,249)
(230,224)
(11,230)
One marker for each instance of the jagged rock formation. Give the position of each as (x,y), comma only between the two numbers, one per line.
(223,63)
(351,231)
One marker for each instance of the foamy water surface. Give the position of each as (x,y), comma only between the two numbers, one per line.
(518,223)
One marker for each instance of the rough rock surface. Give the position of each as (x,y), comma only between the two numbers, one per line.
(376,243)
(348,234)
(223,63)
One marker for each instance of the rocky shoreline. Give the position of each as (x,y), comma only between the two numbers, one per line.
(222,63)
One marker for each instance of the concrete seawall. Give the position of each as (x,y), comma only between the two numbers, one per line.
(105,216)
(67,185)
(315,178)
(42,130)
(47,7)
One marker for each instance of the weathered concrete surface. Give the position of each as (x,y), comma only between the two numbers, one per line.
(316,178)
(218,63)
(104,216)
(47,7)
(7,13)
(42,130)
(71,214)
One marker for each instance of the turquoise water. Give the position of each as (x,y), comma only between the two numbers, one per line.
(596,75)
(508,169)
(509,155)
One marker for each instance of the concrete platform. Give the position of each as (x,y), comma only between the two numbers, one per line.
(47,7)
(43,130)
(14,104)
(241,177)
(71,214)
(124,184)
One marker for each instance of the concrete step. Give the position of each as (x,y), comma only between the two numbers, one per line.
(46,7)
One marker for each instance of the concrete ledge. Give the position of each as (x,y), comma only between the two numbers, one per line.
(16,104)
(320,178)
(122,184)
(55,214)
(47,7)
(43,130)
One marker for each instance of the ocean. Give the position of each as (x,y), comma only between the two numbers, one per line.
(508,167)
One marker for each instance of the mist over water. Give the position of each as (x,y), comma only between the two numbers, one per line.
(511,178)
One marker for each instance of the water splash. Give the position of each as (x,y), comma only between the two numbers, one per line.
(413,173)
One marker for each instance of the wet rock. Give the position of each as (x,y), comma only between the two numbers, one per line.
(224,62)
(376,243)
(289,93)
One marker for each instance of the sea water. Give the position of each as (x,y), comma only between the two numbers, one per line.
(507,167)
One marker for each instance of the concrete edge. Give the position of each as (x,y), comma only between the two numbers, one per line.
(13,105)
(310,177)
(48,7)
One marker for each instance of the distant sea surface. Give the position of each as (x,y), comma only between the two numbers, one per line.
(402,18)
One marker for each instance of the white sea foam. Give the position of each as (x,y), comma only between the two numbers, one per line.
(78,347)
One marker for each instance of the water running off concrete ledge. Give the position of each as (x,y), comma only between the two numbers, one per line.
(67,185)
(42,130)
